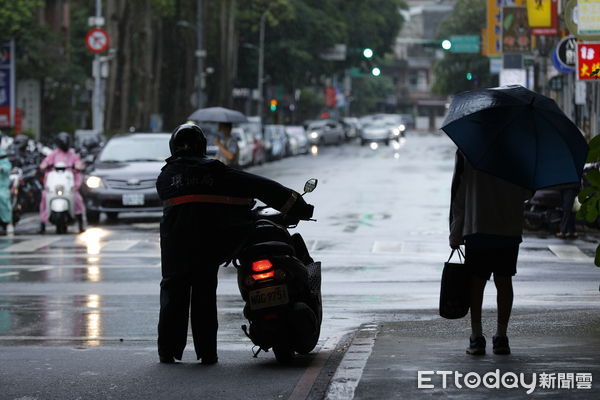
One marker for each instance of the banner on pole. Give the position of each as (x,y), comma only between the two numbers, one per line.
(7,84)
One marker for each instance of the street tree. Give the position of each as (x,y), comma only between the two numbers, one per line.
(451,73)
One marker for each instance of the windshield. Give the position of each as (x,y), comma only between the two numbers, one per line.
(375,125)
(132,149)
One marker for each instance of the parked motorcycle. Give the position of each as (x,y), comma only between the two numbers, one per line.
(25,190)
(281,285)
(60,196)
(543,210)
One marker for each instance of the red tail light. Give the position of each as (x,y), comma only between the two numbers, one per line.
(261,265)
(266,275)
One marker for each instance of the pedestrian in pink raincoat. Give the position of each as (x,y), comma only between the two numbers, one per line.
(63,153)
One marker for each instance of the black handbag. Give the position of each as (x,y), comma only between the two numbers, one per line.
(455,289)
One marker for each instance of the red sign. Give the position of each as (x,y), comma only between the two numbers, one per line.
(5,118)
(330,97)
(96,40)
(588,61)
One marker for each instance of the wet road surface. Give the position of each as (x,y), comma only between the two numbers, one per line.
(381,235)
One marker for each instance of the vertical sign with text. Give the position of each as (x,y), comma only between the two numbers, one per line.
(7,84)
(588,61)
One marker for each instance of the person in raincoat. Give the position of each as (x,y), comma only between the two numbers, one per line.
(207,214)
(5,204)
(63,153)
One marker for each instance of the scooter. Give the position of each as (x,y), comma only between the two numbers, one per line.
(544,209)
(281,285)
(60,197)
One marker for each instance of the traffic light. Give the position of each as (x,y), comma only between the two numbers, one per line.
(469,76)
(273,105)
(368,53)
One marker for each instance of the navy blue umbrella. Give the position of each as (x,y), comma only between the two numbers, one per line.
(517,135)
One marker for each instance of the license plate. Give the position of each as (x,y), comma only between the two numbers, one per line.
(133,199)
(268,297)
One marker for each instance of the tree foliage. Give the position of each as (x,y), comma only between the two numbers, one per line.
(590,196)
(467,18)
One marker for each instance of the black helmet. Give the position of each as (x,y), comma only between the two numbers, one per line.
(20,142)
(188,140)
(63,141)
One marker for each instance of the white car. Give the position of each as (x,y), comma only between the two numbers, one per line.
(297,140)
(245,144)
(378,131)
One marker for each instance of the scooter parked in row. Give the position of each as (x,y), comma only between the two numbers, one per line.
(60,196)
(281,285)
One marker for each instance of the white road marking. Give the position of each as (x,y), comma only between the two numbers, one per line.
(39,269)
(348,374)
(387,247)
(119,245)
(569,252)
(9,273)
(30,245)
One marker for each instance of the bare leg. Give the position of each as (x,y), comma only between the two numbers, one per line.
(477,289)
(504,298)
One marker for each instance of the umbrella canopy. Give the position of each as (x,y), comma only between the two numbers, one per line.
(217,114)
(517,135)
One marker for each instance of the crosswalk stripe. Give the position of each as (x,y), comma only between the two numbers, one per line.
(30,245)
(569,252)
(119,245)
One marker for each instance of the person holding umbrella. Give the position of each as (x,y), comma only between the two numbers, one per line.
(228,152)
(511,142)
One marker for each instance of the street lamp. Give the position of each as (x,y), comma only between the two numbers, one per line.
(376,71)
(446,44)
(367,53)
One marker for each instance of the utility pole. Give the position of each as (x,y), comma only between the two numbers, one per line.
(97,97)
(200,54)
(261,61)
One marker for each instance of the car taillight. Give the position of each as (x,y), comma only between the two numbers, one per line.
(266,275)
(261,265)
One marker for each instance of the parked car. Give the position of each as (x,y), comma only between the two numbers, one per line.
(377,131)
(123,177)
(297,140)
(275,141)
(326,131)
(408,120)
(258,145)
(245,141)
(351,127)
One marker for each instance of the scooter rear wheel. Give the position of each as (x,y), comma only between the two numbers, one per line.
(283,353)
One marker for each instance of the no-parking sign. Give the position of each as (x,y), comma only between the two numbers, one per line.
(96,40)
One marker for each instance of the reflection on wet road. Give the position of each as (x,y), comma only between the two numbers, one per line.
(381,235)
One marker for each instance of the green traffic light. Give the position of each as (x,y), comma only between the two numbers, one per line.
(367,53)
(273,108)
(469,76)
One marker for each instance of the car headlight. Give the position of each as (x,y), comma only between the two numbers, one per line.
(402,128)
(396,131)
(313,135)
(94,182)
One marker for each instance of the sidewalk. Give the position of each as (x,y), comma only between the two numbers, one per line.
(561,348)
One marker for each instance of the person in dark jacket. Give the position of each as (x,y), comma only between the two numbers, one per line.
(207,215)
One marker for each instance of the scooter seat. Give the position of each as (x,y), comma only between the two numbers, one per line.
(266,249)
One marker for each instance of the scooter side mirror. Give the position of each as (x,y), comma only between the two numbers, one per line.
(310,185)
